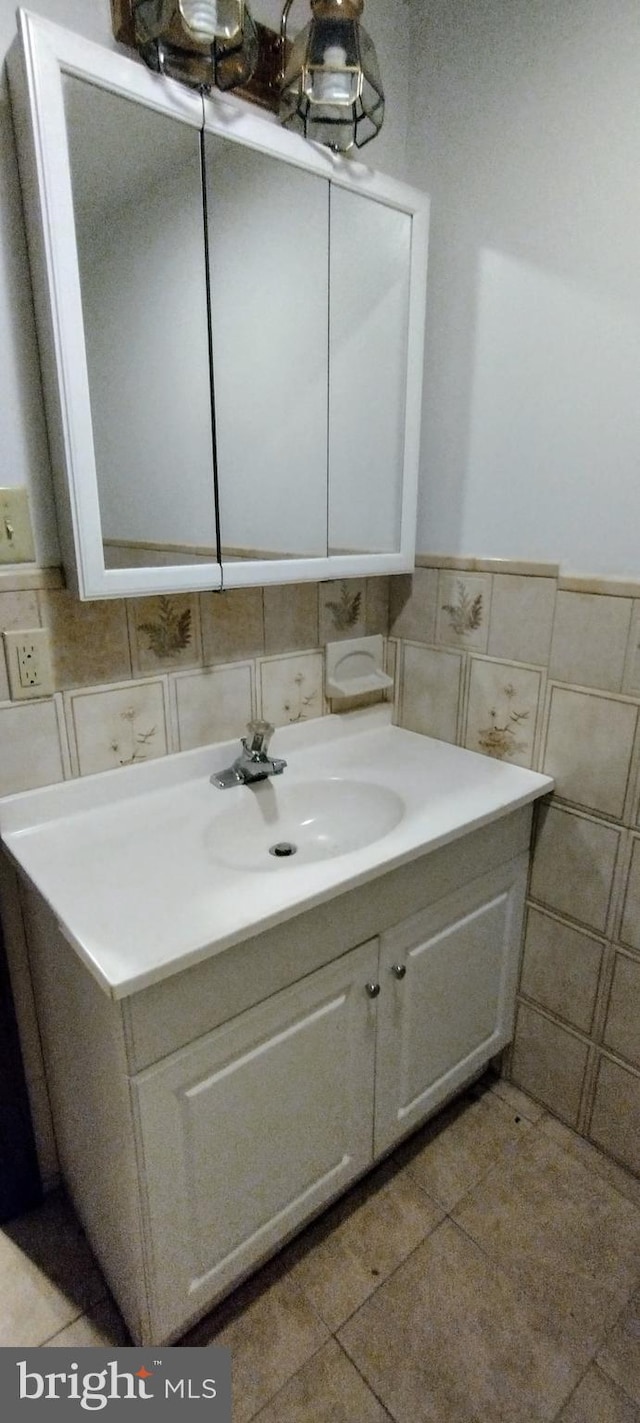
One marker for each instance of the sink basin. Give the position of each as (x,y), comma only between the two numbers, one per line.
(279,824)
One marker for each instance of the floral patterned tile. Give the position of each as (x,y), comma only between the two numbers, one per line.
(117,726)
(290,688)
(464,604)
(343,609)
(164,633)
(502,711)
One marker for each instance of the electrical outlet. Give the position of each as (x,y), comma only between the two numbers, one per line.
(16,535)
(29,663)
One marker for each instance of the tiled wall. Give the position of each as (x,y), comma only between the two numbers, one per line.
(509,660)
(544,672)
(137,679)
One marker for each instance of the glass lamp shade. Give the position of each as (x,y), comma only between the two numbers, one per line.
(199,42)
(332,91)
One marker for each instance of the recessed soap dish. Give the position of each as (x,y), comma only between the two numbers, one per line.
(355,667)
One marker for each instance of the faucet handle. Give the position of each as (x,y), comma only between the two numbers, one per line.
(258,736)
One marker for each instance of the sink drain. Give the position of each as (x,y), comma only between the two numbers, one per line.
(283,849)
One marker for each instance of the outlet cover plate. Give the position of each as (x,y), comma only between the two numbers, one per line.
(16,534)
(29,663)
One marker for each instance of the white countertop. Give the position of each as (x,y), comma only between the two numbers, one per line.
(128,860)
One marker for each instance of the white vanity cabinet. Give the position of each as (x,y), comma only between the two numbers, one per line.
(250,1130)
(202,1120)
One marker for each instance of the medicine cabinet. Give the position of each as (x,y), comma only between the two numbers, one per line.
(231,326)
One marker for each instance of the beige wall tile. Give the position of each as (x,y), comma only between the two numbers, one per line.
(574,861)
(89,641)
(342,611)
(630,929)
(620,1356)
(589,641)
(291,617)
(31,754)
(291,688)
(631,679)
(615,1120)
(502,711)
(430,691)
(214,705)
(232,625)
(164,633)
(464,607)
(622,1026)
(118,726)
(549,1063)
(413,604)
(561,969)
(522,618)
(377,596)
(588,748)
(19,610)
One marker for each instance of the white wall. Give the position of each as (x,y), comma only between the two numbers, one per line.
(23,440)
(525,127)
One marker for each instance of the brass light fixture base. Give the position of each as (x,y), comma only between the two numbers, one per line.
(263,87)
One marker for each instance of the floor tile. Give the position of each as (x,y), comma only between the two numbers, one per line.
(271,1330)
(516,1098)
(448,1339)
(620,1355)
(326,1390)
(355,1247)
(567,1237)
(597,1400)
(101,1327)
(457,1149)
(47,1272)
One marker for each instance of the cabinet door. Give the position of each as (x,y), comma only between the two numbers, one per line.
(247,1132)
(447,1004)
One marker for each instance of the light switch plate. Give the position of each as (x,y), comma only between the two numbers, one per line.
(16,536)
(28,656)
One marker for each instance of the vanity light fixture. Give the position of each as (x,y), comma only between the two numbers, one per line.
(331,90)
(199,42)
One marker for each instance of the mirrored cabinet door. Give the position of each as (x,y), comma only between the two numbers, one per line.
(268,226)
(369,268)
(137,197)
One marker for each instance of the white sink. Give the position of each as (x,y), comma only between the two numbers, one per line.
(279,826)
(150,869)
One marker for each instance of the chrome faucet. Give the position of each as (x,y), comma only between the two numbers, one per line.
(253,764)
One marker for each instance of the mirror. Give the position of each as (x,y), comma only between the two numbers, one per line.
(268,226)
(369,264)
(231,325)
(137,198)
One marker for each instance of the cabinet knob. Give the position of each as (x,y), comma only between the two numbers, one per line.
(398,970)
(373,989)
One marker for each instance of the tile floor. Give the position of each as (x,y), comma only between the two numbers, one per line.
(489,1271)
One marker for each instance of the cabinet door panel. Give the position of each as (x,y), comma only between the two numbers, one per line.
(249,1130)
(453,1008)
